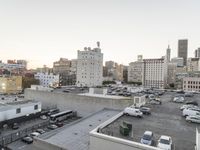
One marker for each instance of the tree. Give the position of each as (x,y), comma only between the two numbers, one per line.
(171,85)
(108,82)
(27,82)
(137,83)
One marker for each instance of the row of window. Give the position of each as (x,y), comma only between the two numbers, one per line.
(194,87)
(192,82)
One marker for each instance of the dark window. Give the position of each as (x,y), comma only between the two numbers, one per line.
(18,110)
(35,107)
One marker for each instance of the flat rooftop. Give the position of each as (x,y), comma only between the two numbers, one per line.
(8,102)
(76,135)
(166,119)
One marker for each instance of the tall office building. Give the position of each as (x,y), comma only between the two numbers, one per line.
(168,53)
(90,67)
(197,53)
(183,50)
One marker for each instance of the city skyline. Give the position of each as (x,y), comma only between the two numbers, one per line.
(43,31)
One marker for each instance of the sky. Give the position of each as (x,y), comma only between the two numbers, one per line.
(42,31)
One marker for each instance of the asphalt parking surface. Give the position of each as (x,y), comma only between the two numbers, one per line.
(166,119)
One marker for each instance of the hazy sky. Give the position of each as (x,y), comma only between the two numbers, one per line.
(42,31)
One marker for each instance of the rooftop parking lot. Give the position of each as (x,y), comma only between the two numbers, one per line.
(165,119)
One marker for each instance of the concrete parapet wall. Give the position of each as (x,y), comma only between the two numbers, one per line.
(82,104)
(43,145)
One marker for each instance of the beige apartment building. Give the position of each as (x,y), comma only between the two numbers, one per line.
(191,84)
(12,84)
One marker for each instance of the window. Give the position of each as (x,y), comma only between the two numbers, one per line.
(18,110)
(35,107)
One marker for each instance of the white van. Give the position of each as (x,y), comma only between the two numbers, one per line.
(190,112)
(133,112)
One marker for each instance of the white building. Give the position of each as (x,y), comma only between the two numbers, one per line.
(135,71)
(178,61)
(193,64)
(47,79)
(154,73)
(11,109)
(90,67)
(191,84)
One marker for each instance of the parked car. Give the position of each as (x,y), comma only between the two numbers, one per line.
(189,112)
(178,99)
(180,92)
(133,112)
(15,126)
(147,138)
(195,109)
(188,106)
(66,91)
(34,134)
(195,119)
(41,131)
(27,139)
(59,124)
(165,142)
(52,127)
(188,94)
(151,96)
(155,102)
(43,117)
(145,110)
(192,103)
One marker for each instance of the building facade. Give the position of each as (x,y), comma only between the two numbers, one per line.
(47,79)
(193,64)
(61,66)
(10,84)
(89,67)
(154,73)
(66,70)
(178,61)
(113,70)
(191,84)
(183,50)
(197,53)
(135,71)
(171,77)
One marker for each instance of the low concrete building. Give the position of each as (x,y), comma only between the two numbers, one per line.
(101,141)
(139,100)
(74,136)
(191,84)
(12,108)
(10,84)
(85,104)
